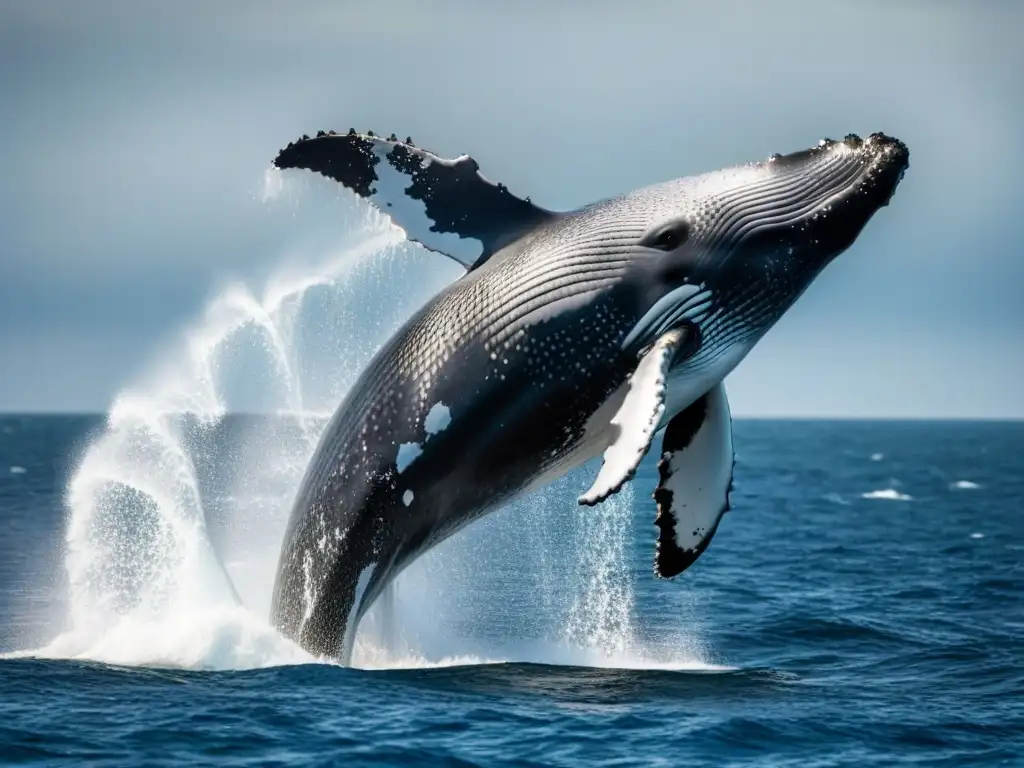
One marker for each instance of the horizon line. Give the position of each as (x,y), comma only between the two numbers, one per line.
(39,413)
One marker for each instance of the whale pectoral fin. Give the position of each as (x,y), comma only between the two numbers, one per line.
(445,205)
(695,480)
(637,419)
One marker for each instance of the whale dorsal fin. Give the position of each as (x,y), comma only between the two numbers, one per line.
(695,480)
(445,205)
(637,418)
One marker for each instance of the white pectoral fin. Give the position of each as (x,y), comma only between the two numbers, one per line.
(636,421)
(695,479)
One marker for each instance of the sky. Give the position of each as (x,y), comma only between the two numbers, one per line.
(135,136)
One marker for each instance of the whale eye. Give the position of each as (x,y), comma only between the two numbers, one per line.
(667,238)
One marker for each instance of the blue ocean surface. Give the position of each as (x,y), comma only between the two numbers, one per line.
(862,604)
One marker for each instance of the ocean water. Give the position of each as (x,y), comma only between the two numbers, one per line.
(863,604)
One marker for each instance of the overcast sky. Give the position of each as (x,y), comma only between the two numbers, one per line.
(135,136)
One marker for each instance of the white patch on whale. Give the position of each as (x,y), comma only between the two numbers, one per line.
(361,584)
(390,195)
(407,498)
(309,592)
(438,418)
(407,454)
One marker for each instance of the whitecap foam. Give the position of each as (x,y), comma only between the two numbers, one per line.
(369,654)
(679,660)
(890,494)
(229,638)
(964,485)
(373,657)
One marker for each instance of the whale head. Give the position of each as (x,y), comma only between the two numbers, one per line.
(727,253)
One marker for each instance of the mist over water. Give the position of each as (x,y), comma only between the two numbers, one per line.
(177,508)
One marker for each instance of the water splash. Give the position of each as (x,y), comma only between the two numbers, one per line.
(600,618)
(177,510)
(150,580)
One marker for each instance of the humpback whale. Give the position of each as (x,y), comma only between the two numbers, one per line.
(571,335)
